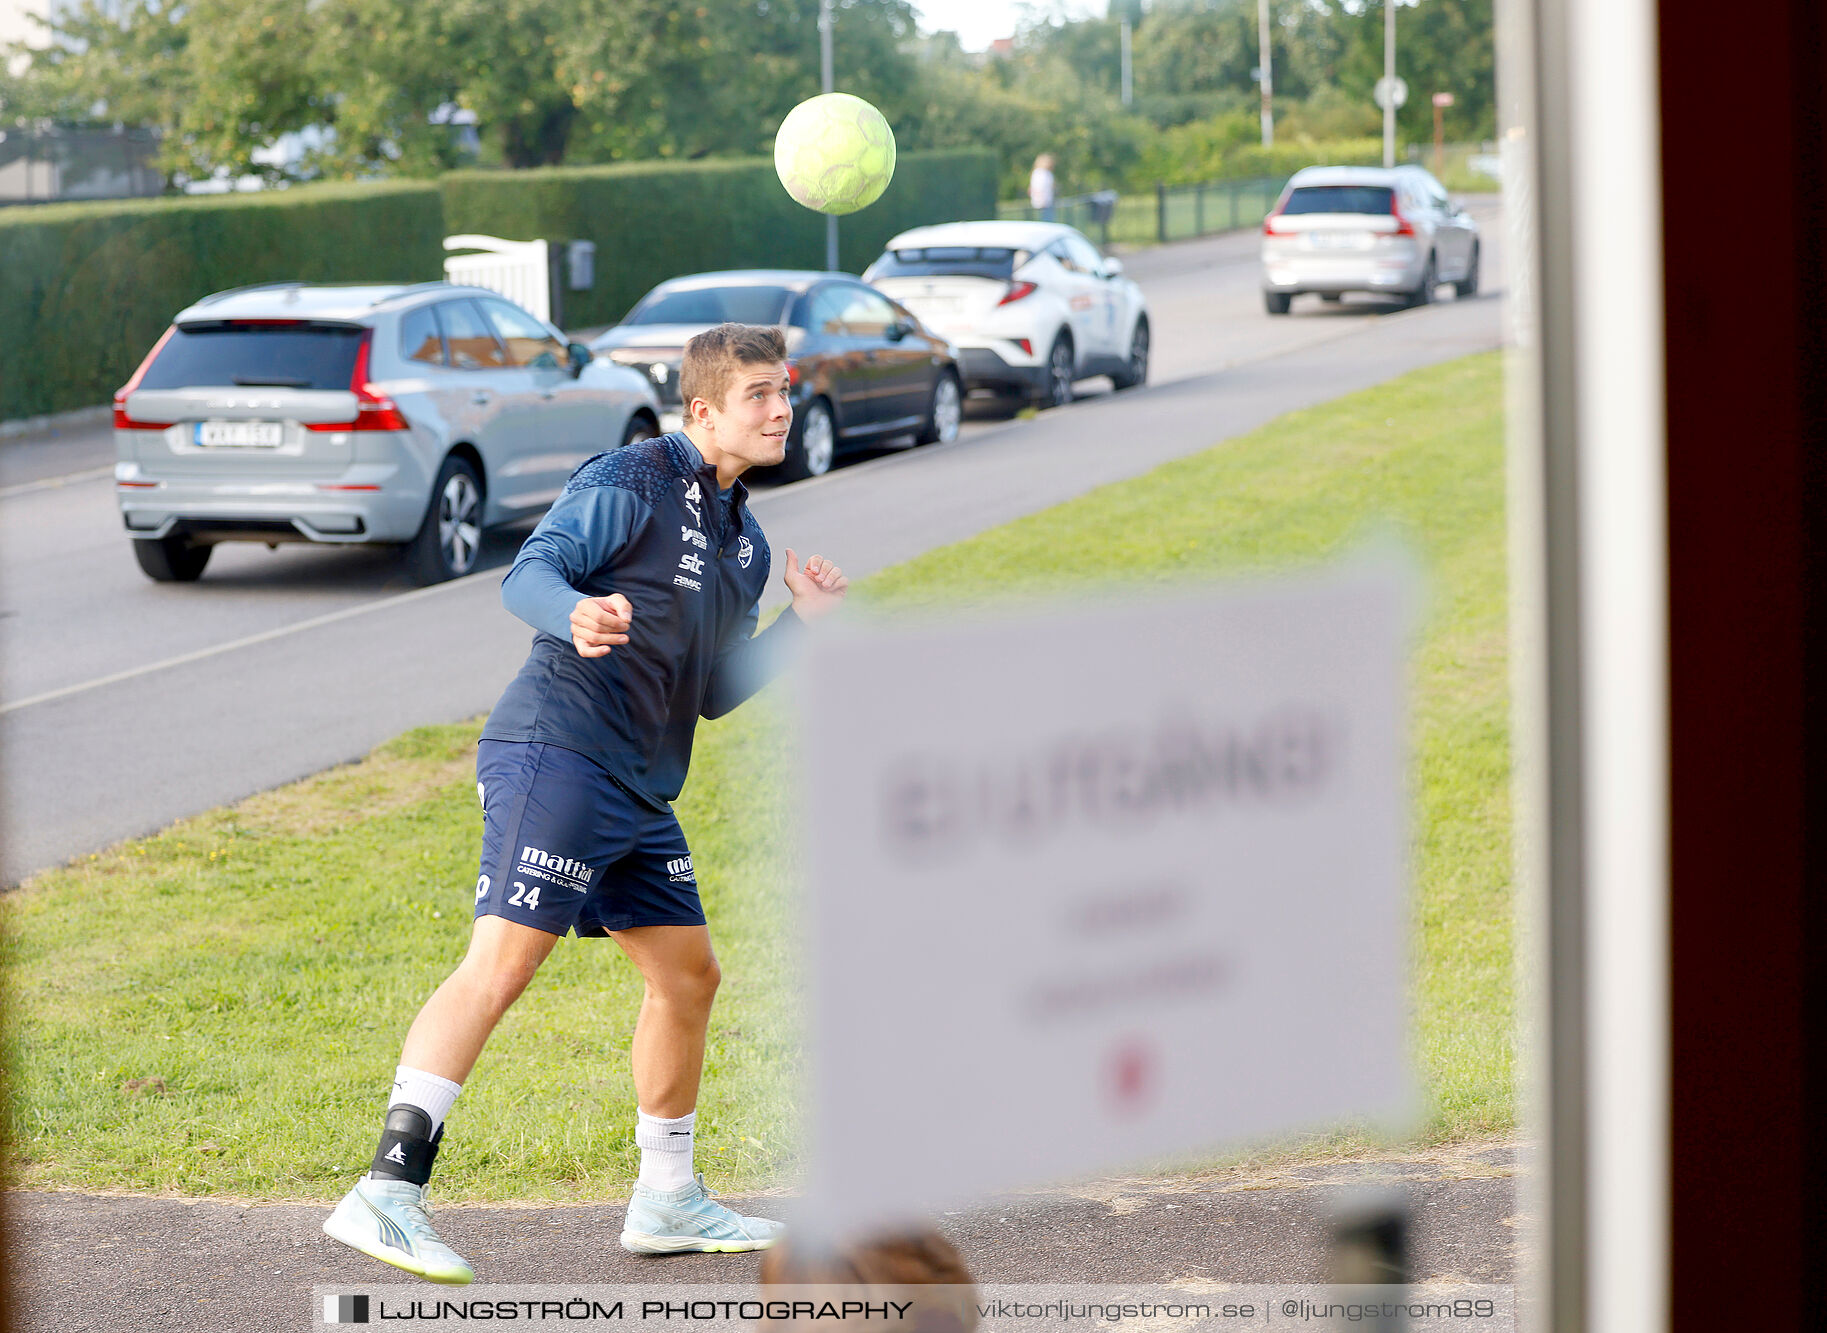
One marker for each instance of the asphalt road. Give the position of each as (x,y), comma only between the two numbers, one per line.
(127,704)
(90,1264)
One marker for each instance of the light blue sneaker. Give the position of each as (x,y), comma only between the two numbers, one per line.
(389,1220)
(675,1221)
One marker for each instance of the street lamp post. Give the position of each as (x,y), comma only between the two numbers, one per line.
(826,81)
(1389,78)
(1267,73)
(1127,75)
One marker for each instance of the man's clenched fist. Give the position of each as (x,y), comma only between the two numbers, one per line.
(599,623)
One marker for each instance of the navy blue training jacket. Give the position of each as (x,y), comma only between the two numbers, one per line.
(646,521)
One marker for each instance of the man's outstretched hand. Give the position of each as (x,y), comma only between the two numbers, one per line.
(599,623)
(817,589)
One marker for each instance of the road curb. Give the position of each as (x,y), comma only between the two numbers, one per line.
(54,423)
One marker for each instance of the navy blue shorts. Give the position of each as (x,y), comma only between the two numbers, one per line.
(565,848)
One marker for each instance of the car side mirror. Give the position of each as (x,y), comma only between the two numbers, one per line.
(898,330)
(580,355)
(1113,268)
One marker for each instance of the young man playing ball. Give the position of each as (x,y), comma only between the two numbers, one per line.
(643,583)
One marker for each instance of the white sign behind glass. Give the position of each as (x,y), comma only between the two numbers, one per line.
(1099,883)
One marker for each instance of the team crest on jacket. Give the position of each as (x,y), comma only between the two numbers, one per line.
(745,551)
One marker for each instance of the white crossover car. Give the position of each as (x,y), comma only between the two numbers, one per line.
(1366,229)
(1029,306)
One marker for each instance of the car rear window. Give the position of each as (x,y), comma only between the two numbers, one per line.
(712,305)
(1338,199)
(933,261)
(290,355)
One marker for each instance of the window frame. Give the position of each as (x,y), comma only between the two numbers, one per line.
(852,290)
(549,335)
(481,316)
(430,309)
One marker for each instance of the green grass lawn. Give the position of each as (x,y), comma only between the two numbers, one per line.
(217,1010)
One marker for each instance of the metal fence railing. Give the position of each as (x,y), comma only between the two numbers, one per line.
(1167,213)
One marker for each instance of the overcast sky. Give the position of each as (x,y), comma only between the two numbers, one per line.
(980,22)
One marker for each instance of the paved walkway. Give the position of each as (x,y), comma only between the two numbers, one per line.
(88,1264)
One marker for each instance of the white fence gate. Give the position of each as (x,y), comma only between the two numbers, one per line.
(519,270)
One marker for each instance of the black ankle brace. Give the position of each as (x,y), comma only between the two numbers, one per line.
(407,1150)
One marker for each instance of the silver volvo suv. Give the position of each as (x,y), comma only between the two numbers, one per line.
(1366,229)
(415,415)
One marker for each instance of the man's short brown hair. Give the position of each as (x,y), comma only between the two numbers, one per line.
(715,357)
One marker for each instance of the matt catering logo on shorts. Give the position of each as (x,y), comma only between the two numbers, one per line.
(558,870)
(680,872)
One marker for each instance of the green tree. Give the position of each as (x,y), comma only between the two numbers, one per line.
(1198,48)
(717,78)
(108,61)
(1441,46)
(549,80)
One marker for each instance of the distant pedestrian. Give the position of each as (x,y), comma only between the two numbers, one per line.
(1040,186)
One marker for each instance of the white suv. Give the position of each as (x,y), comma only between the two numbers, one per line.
(1029,306)
(1366,229)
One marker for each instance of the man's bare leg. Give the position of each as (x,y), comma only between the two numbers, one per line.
(455,1023)
(385,1215)
(681,973)
(669,1212)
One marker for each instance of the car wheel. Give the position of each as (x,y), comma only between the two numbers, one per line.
(1468,285)
(1136,371)
(1060,368)
(173,559)
(1277,303)
(1430,279)
(451,535)
(638,429)
(946,411)
(810,453)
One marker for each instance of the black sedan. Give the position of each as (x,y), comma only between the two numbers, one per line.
(863,369)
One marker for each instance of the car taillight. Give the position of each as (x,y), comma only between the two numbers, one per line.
(1269,227)
(121,420)
(1016,291)
(373,409)
(1027,348)
(1403,226)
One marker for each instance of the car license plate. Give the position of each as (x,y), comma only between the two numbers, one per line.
(240,434)
(1337,240)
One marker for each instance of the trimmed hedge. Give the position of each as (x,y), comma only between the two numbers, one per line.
(653,221)
(85,289)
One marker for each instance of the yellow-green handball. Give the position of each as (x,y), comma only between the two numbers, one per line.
(834,153)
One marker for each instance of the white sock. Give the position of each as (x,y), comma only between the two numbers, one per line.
(665,1146)
(428,1092)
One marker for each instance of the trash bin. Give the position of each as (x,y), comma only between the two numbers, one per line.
(580,259)
(1102,206)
